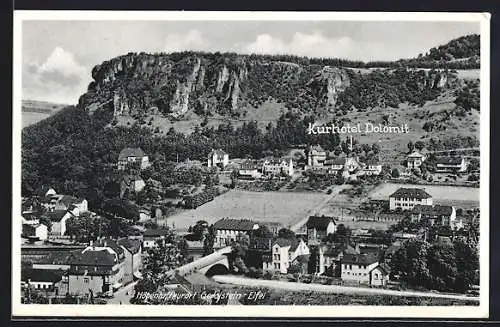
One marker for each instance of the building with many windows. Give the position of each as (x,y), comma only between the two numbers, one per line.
(284,253)
(407,198)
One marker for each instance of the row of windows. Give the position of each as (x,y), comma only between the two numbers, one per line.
(354,274)
(350,266)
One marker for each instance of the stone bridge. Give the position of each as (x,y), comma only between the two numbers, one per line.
(209,265)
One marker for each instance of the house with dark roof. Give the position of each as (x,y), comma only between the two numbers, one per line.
(59,218)
(49,281)
(277,167)
(407,198)
(451,165)
(218,158)
(330,257)
(99,268)
(316,156)
(318,227)
(415,159)
(133,156)
(363,269)
(152,237)
(64,202)
(133,258)
(284,253)
(435,215)
(227,230)
(249,169)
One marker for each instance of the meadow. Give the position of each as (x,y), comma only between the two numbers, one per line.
(284,207)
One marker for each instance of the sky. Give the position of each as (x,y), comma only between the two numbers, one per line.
(58,56)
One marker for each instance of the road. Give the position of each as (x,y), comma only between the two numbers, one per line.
(335,191)
(291,286)
(121,297)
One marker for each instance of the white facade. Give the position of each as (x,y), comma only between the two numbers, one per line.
(282,257)
(357,272)
(378,277)
(224,237)
(372,169)
(415,160)
(250,173)
(143,162)
(218,158)
(407,203)
(451,167)
(276,168)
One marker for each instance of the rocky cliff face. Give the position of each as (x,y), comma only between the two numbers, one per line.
(226,84)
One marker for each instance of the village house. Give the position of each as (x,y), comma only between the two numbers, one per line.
(364,269)
(218,158)
(330,257)
(133,258)
(35,231)
(59,218)
(64,202)
(407,198)
(451,165)
(415,159)
(99,268)
(133,155)
(50,282)
(284,252)
(273,226)
(372,167)
(152,237)
(435,215)
(316,156)
(249,169)
(131,184)
(227,230)
(318,228)
(277,167)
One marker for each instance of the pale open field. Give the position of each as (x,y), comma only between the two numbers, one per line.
(283,207)
(445,195)
(30,118)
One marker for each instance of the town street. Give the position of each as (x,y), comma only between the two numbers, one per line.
(291,286)
(121,297)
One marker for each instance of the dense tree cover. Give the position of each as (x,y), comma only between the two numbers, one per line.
(440,266)
(462,47)
(468,97)
(76,154)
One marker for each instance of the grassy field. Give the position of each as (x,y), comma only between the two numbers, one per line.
(283,207)
(445,195)
(35,111)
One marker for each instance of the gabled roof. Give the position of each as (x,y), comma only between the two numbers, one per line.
(384,268)
(55,215)
(235,224)
(337,249)
(92,258)
(130,152)
(107,242)
(410,193)
(41,275)
(132,245)
(415,154)
(449,160)
(360,259)
(155,232)
(437,210)
(320,223)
